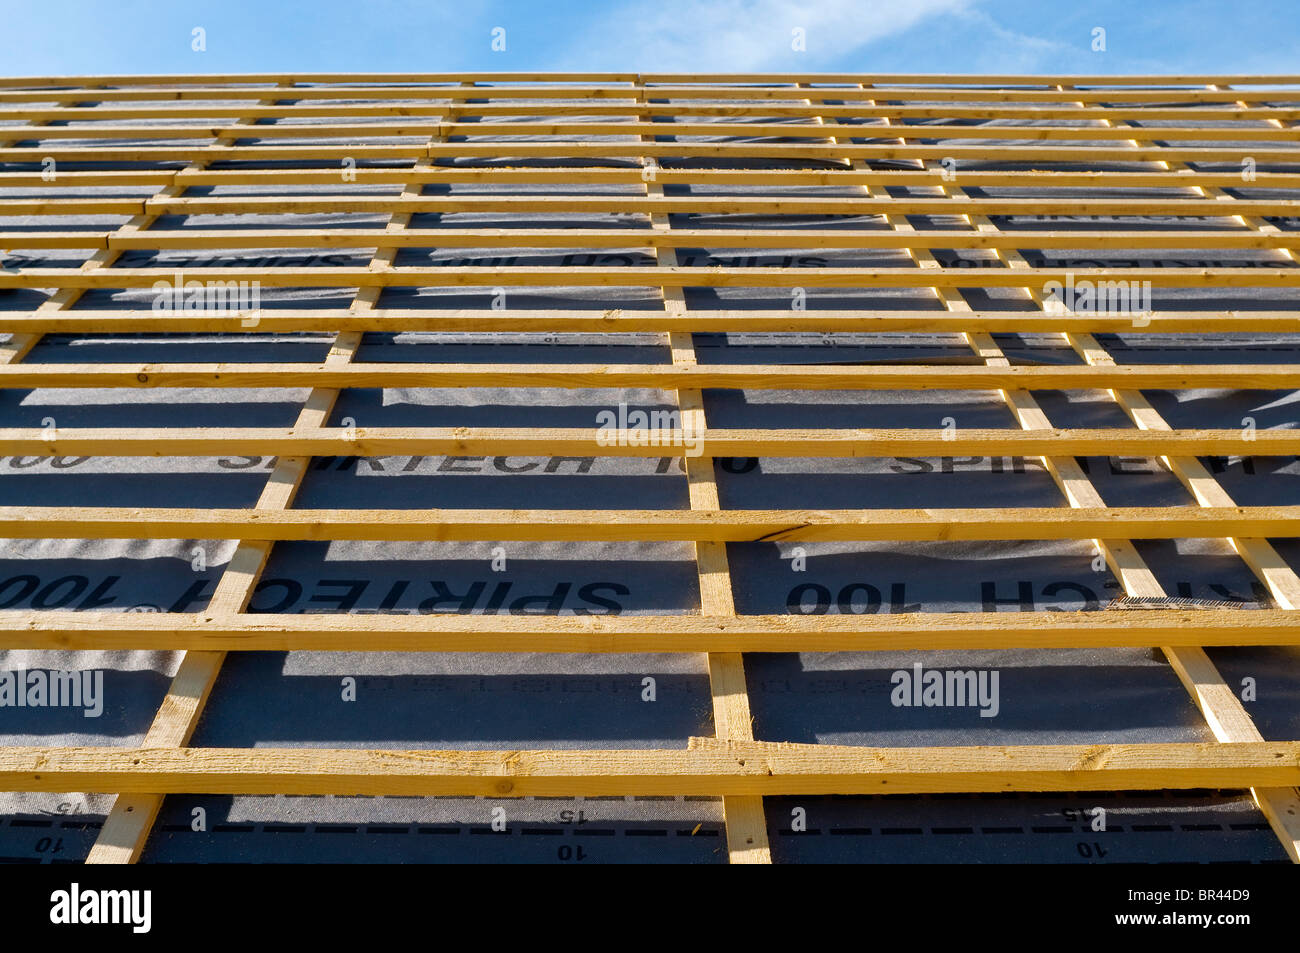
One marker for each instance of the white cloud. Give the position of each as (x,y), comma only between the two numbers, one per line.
(745,35)
(1006,51)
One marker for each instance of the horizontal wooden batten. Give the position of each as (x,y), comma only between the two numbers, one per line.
(1125,284)
(661,376)
(929,525)
(617,321)
(456,632)
(705,768)
(614,204)
(635,149)
(643,442)
(829,109)
(626,238)
(727,91)
(942,80)
(591,175)
(414,129)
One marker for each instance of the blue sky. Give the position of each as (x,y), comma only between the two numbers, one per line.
(155,36)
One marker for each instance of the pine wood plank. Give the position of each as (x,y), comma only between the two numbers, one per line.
(642,442)
(664,377)
(215,630)
(617,321)
(988,523)
(652,238)
(711,768)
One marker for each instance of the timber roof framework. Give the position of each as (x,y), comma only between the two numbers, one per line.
(941,199)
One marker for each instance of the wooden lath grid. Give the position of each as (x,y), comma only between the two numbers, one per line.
(879,141)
